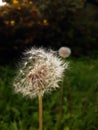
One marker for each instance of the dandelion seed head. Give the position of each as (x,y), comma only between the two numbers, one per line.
(64,52)
(40,73)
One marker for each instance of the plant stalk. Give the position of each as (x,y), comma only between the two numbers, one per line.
(61,105)
(40,112)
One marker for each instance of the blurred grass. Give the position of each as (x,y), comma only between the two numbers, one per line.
(80,101)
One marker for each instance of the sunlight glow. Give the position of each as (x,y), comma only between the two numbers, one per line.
(2,3)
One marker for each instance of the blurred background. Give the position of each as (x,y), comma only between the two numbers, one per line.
(50,24)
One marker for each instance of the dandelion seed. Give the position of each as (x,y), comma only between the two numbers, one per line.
(25,63)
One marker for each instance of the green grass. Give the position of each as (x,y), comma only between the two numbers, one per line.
(80,101)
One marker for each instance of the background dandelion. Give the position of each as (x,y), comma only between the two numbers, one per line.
(64,52)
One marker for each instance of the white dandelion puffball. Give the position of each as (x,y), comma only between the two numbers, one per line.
(40,73)
(64,52)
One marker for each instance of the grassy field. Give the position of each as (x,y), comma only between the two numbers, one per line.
(80,101)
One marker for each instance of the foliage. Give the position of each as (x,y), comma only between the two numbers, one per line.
(18,24)
(52,23)
(80,101)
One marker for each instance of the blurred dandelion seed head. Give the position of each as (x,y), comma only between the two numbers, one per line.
(64,52)
(40,73)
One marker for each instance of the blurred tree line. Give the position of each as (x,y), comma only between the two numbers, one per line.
(49,23)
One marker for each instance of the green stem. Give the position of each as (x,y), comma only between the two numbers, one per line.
(61,106)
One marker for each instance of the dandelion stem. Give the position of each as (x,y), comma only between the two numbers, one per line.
(40,112)
(61,105)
